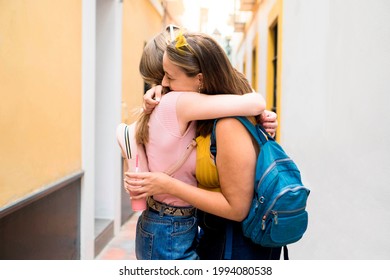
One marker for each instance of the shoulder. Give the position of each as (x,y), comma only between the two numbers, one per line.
(232,135)
(231,129)
(229,124)
(169,100)
(233,122)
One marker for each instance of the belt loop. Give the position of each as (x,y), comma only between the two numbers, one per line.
(162,210)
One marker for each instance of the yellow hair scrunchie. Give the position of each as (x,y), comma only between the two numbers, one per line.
(180,41)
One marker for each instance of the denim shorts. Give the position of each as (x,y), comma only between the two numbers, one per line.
(166,237)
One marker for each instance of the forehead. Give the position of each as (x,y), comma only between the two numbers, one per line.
(168,66)
(165,58)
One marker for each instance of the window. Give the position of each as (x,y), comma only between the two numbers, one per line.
(274,67)
(254,67)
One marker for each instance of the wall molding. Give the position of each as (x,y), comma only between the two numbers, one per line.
(43,192)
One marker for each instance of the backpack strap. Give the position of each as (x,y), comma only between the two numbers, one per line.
(285,252)
(126,140)
(213,141)
(228,242)
(173,168)
(257,131)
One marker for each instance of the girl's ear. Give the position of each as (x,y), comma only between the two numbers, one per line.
(200,78)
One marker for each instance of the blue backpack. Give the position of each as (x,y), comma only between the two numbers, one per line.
(277,215)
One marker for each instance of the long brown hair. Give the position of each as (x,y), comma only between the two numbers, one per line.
(202,54)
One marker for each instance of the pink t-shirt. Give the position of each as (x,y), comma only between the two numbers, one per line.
(166,145)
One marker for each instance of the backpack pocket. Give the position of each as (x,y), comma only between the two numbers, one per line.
(284,228)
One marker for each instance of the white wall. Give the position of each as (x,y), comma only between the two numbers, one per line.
(335,91)
(108,109)
(336,124)
(87,225)
(101,109)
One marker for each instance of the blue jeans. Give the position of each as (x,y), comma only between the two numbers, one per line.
(166,237)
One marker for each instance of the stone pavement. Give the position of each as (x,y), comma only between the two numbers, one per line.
(122,246)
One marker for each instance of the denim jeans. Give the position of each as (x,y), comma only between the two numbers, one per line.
(212,241)
(165,237)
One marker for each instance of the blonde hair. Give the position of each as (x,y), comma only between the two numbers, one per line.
(151,69)
(150,66)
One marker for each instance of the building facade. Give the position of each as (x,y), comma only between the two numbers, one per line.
(322,65)
(67,69)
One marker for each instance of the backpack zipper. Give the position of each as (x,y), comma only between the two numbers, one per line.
(275,213)
(268,170)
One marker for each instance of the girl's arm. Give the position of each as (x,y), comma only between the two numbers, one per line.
(236,163)
(236,169)
(267,118)
(197,106)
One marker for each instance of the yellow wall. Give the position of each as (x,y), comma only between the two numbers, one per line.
(275,17)
(40,94)
(140,23)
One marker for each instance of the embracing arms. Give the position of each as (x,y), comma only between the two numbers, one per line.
(196,106)
(236,168)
